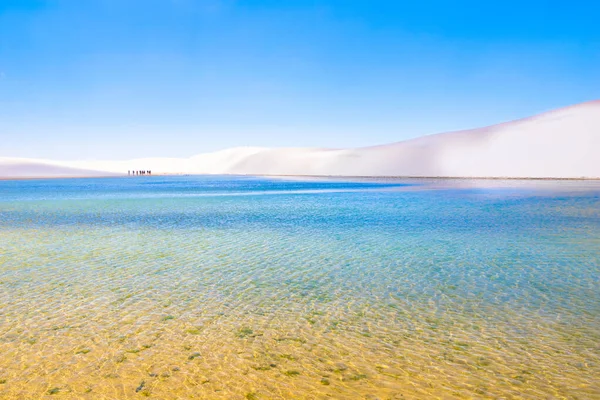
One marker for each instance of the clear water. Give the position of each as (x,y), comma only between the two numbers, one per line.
(246,288)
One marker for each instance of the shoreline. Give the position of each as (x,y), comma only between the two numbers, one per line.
(435,177)
(33,178)
(367,177)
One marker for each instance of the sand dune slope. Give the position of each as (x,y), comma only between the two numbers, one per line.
(561,144)
(31,168)
(564,143)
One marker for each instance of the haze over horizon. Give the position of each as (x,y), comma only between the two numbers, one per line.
(109,80)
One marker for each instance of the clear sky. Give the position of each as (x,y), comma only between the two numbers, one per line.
(116,79)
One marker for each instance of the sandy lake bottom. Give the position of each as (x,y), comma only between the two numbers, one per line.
(254,288)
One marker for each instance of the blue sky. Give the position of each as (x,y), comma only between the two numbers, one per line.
(115,79)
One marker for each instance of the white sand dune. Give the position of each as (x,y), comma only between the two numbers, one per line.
(32,168)
(559,144)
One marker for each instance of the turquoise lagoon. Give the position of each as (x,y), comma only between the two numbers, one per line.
(254,288)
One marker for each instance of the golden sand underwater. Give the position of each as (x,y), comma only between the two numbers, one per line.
(327,296)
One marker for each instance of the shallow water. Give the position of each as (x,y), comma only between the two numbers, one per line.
(247,288)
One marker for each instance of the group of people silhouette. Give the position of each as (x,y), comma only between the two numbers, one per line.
(139,172)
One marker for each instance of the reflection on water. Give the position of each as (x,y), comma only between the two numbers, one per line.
(172,288)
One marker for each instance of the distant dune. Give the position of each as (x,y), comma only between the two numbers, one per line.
(31,168)
(564,143)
